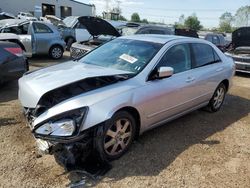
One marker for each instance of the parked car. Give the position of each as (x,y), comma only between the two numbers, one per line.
(36,37)
(218,40)
(155,29)
(73,31)
(52,19)
(120,90)
(186,33)
(100,30)
(13,63)
(240,49)
(5,15)
(26,16)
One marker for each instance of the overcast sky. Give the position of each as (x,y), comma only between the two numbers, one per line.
(169,11)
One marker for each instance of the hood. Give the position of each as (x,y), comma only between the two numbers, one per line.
(241,37)
(98,26)
(34,85)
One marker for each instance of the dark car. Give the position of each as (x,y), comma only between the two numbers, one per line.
(13,64)
(5,15)
(218,40)
(155,29)
(240,49)
(186,33)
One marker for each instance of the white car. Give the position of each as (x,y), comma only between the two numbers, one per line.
(26,16)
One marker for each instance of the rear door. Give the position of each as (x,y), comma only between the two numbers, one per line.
(207,70)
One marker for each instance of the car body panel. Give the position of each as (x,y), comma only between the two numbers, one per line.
(11,66)
(156,101)
(36,43)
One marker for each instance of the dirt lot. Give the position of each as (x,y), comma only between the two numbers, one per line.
(197,150)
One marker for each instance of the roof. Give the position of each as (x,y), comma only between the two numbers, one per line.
(162,39)
(75,1)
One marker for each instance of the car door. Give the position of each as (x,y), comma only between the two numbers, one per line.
(25,36)
(169,97)
(43,36)
(207,70)
(81,33)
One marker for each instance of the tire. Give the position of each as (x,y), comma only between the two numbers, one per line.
(114,139)
(218,98)
(56,52)
(70,41)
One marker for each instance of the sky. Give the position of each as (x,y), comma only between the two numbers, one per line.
(169,11)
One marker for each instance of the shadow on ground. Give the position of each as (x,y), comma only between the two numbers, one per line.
(157,149)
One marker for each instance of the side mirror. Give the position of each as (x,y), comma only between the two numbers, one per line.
(164,72)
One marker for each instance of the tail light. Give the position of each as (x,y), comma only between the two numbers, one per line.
(15,51)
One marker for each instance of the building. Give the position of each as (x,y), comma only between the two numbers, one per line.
(59,8)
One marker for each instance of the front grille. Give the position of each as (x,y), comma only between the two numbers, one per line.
(77,53)
(242,59)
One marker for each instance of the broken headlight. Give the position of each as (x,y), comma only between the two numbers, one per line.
(64,125)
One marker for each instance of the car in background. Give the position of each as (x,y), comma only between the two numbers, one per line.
(5,15)
(36,37)
(186,33)
(100,30)
(52,19)
(123,88)
(73,31)
(218,40)
(240,49)
(26,16)
(13,63)
(155,29)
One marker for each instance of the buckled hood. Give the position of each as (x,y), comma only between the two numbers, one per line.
(34,85)
(98,26)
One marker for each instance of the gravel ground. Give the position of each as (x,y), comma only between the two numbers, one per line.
(198,150)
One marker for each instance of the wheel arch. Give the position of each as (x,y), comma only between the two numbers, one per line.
(135,113)
(226,83)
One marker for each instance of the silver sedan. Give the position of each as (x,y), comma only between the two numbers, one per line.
(120,90)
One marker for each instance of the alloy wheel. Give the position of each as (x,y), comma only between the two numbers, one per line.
(118,137)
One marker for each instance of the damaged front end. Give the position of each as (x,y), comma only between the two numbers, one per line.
(63,135)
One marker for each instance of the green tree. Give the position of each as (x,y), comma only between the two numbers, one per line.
(242,17)
(122,18)
(135,17)
(192,22)
(226,20)
(144,21)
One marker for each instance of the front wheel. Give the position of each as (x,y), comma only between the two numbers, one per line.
(116,136)
(217,99)
(56,52)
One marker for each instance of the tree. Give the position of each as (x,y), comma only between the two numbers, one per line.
(242,17)
(122,18)
(226,20)
(144,21)
(192,22)
(135,17)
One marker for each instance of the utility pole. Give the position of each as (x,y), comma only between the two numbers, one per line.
(107,5)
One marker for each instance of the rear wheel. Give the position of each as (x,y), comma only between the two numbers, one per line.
(56,52)
(116,137)
(217,99)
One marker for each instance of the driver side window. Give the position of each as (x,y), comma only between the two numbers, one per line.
(178,57)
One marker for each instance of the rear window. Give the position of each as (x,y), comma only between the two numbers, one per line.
(204,55)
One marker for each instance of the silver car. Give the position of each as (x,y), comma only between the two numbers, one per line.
(36,37)
(118,91)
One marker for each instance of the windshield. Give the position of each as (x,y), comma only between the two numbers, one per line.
(69,21)
(123,54)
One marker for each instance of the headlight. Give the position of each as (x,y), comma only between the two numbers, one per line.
(65,127)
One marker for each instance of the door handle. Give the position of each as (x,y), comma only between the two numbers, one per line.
(219,69)
(190,79)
